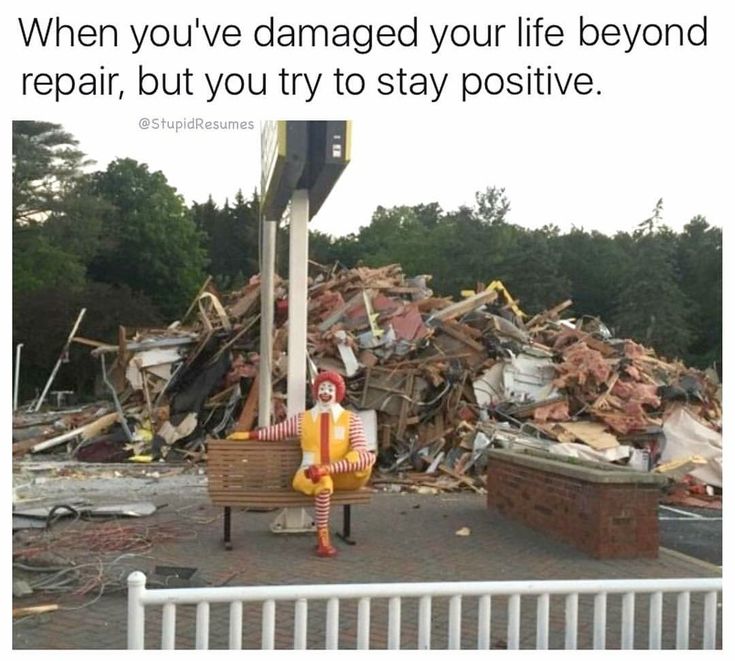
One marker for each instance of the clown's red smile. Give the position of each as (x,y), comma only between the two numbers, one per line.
(327,393)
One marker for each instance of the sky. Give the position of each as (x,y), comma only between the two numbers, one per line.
(612,183)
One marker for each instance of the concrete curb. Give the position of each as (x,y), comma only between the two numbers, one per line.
(690,558)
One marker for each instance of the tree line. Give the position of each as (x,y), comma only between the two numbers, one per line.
(124,244)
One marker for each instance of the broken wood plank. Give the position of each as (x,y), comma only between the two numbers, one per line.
(250,410)
(405,403)
(593,434)
(461,478)
(341,310)
(551,313)
(463,307)
(35,610)
(457,331)
(243,305)
(122,346)
(90,430)
(94,343)
(21,447)
(202,289)
(162,343)
(226,346)
(385,436)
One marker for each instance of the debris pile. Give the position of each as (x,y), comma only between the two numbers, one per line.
(448,379)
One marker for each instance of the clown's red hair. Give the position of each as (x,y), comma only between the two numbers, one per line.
(332,377)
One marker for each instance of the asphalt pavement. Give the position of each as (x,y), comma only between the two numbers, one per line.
(694,531)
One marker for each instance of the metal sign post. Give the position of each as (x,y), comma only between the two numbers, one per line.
(267,272)
(300,163)
(298,260)
(17,376)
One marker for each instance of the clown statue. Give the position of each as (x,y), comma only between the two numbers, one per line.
(334,447)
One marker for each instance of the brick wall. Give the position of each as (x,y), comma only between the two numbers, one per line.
(606,520)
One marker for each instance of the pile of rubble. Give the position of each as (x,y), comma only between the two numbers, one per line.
(447,379)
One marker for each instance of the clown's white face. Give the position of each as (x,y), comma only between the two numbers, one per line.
(327,393)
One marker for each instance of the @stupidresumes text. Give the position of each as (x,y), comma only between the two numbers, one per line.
(194,124)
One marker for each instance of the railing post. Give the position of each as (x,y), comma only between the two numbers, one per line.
(394,623)
(136,611)
(455,623)
(202,626)
(654,621)
(484,613)
(363,624)
(710,621)
(514,621)
(424,642)
(682,621)
(332,633)
(627,627)
(542,622)
(268,625)
(168,627)
(570,618)
(300,623)
(235,641)
(599,626)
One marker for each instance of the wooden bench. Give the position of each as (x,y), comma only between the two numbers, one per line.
(258,474)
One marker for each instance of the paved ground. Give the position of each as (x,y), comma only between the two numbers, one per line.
(401,538)
(696,531)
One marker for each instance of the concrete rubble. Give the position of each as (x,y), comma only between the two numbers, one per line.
(449,379)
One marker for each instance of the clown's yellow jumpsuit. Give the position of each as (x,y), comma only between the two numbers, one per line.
(333,438)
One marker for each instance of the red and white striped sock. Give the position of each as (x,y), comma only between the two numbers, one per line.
(321,509)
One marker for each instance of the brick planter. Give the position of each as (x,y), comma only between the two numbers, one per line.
(606,511)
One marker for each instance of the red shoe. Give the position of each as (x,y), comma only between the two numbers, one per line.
(324,549)
(316,473)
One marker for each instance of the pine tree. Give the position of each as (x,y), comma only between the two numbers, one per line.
(651,307)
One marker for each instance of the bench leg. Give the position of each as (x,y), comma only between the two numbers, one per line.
(228,528)
(346,525)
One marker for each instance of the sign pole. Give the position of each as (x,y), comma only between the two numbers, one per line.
(17,376)
(267,273)
(298,259)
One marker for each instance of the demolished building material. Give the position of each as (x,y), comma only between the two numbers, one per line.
(447,380)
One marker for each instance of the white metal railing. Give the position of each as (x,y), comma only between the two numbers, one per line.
(300,595)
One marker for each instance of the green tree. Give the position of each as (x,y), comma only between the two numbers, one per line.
(458,248)
(38,263)
(42,321)
(48,185)
(532,270)
(595,265)
(699,259)
(231,238)
(492,205)
(651,307)
(152,244)
(46,166)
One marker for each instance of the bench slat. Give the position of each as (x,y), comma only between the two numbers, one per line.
(280,500)
(259,473)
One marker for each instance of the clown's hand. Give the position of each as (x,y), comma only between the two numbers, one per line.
(243,436)
(316,473)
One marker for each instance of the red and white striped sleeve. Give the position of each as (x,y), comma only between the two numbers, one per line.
(358,440)
(290,428)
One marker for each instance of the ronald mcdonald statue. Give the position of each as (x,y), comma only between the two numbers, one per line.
(334,447)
